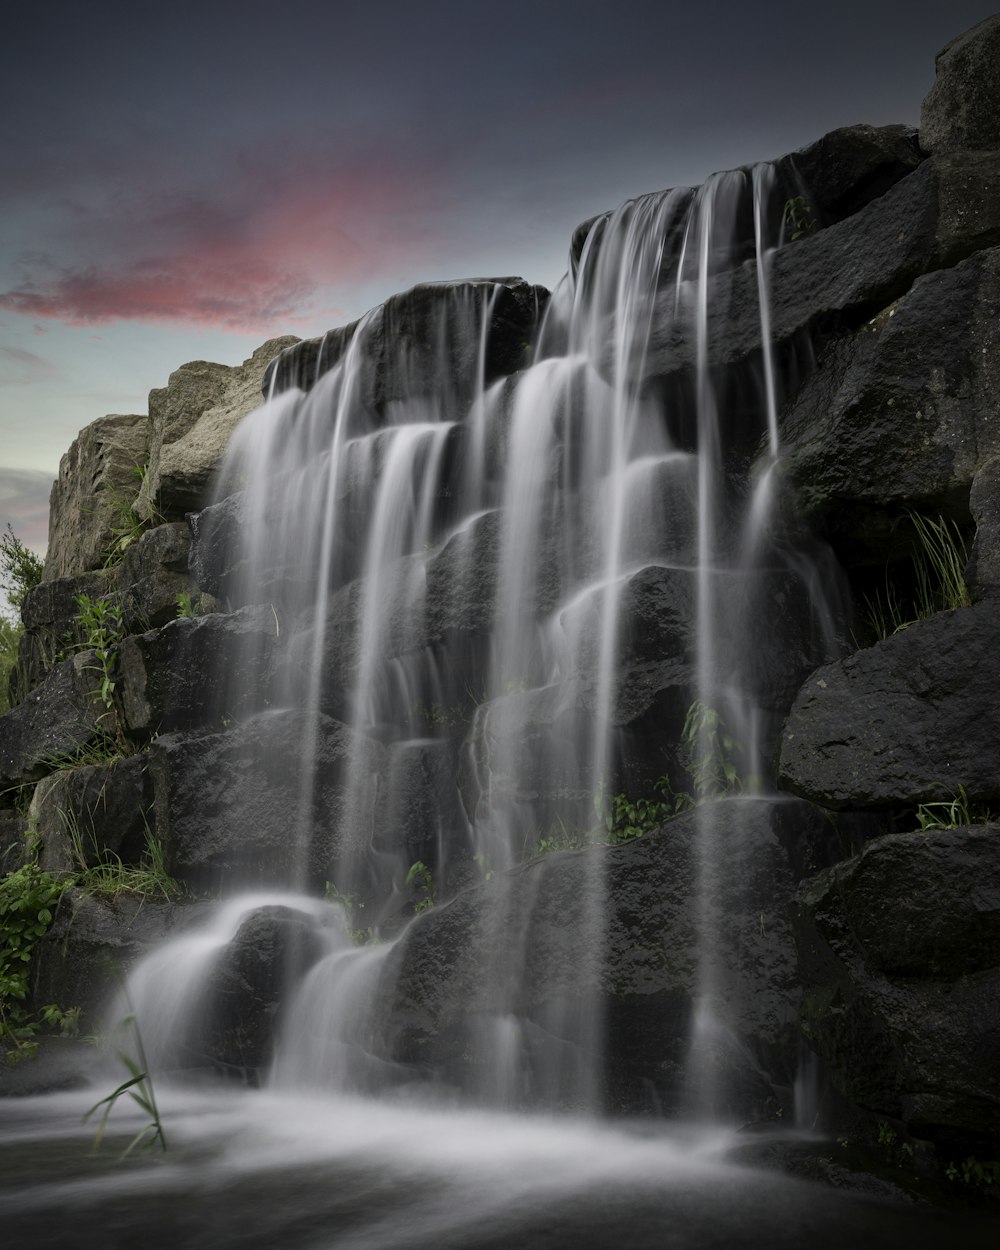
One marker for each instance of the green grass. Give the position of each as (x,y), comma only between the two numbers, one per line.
(939,557)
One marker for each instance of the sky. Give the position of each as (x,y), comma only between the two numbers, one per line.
(185,181)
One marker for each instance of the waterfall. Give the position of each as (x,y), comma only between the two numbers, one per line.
(453,554)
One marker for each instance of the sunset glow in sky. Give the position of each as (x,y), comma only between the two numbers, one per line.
(186,181)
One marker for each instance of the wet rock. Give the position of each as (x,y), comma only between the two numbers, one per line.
(97,484)
(905,721)
(191,419)
(441,983)
(904,410)
(840,277)
(13,845)
(196,671)
(248,987)
(425,341)
(900,956)
(152,577)
(848,168)
(83,958)
(58,717)
(234,807)
(962,109)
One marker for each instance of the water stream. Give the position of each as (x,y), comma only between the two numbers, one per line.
(460,574)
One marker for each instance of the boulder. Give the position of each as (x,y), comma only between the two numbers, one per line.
(840,277)
(239,807)
(203,670)
(243,996)
(848,168)
(13,844)
(614,931)
(51,628)
(425,341)
(903,411)
(191,419)
(152,577)
(99,478)
(899,950)
(903,722)
(962,109)
(92,814)
(58,717)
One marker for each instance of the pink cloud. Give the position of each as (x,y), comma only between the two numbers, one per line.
(260,258)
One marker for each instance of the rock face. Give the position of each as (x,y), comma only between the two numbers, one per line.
(962,109)
(233,806)
(643,971)
(98,480)
(903,410)
(55,720)
(437,323)
(903,722)
(900,961)
(191,419)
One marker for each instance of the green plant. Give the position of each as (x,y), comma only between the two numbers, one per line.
(954,813)
(421,879)
(626,820)
(984,1176)
(102,872)
(707,749)
(139,1088)
(10,641)
(20,569)
(485,865)
(100,624)
(797,217)
(351,905)
(185,607)
(126,526)
(938,558)
(29,897)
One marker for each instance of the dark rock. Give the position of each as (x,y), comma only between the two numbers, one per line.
(51,628)
(152,576)
(93,942)
(900,956)
(58,717)
(442,980)
(962,109)
(249,985)
(905,721)
(97,484)
(92,812)
(840,277)
(982,573)
(13,846)
(236,806)
(425,341)
(848,168)
(197,671)
(902,412)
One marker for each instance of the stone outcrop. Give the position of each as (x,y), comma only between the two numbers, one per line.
(905,409)
(962,108)
(900,723)
(443,354)
(97,483)
(643,971)
(899,952)
(190,421)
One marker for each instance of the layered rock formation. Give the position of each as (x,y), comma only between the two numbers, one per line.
(885,332)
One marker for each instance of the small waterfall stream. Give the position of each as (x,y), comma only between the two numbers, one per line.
(453,563)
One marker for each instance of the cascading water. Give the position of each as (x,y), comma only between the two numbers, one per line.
(456,566)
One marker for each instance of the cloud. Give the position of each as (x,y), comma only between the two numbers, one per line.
(260,250)
(24,504)
(19,367)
